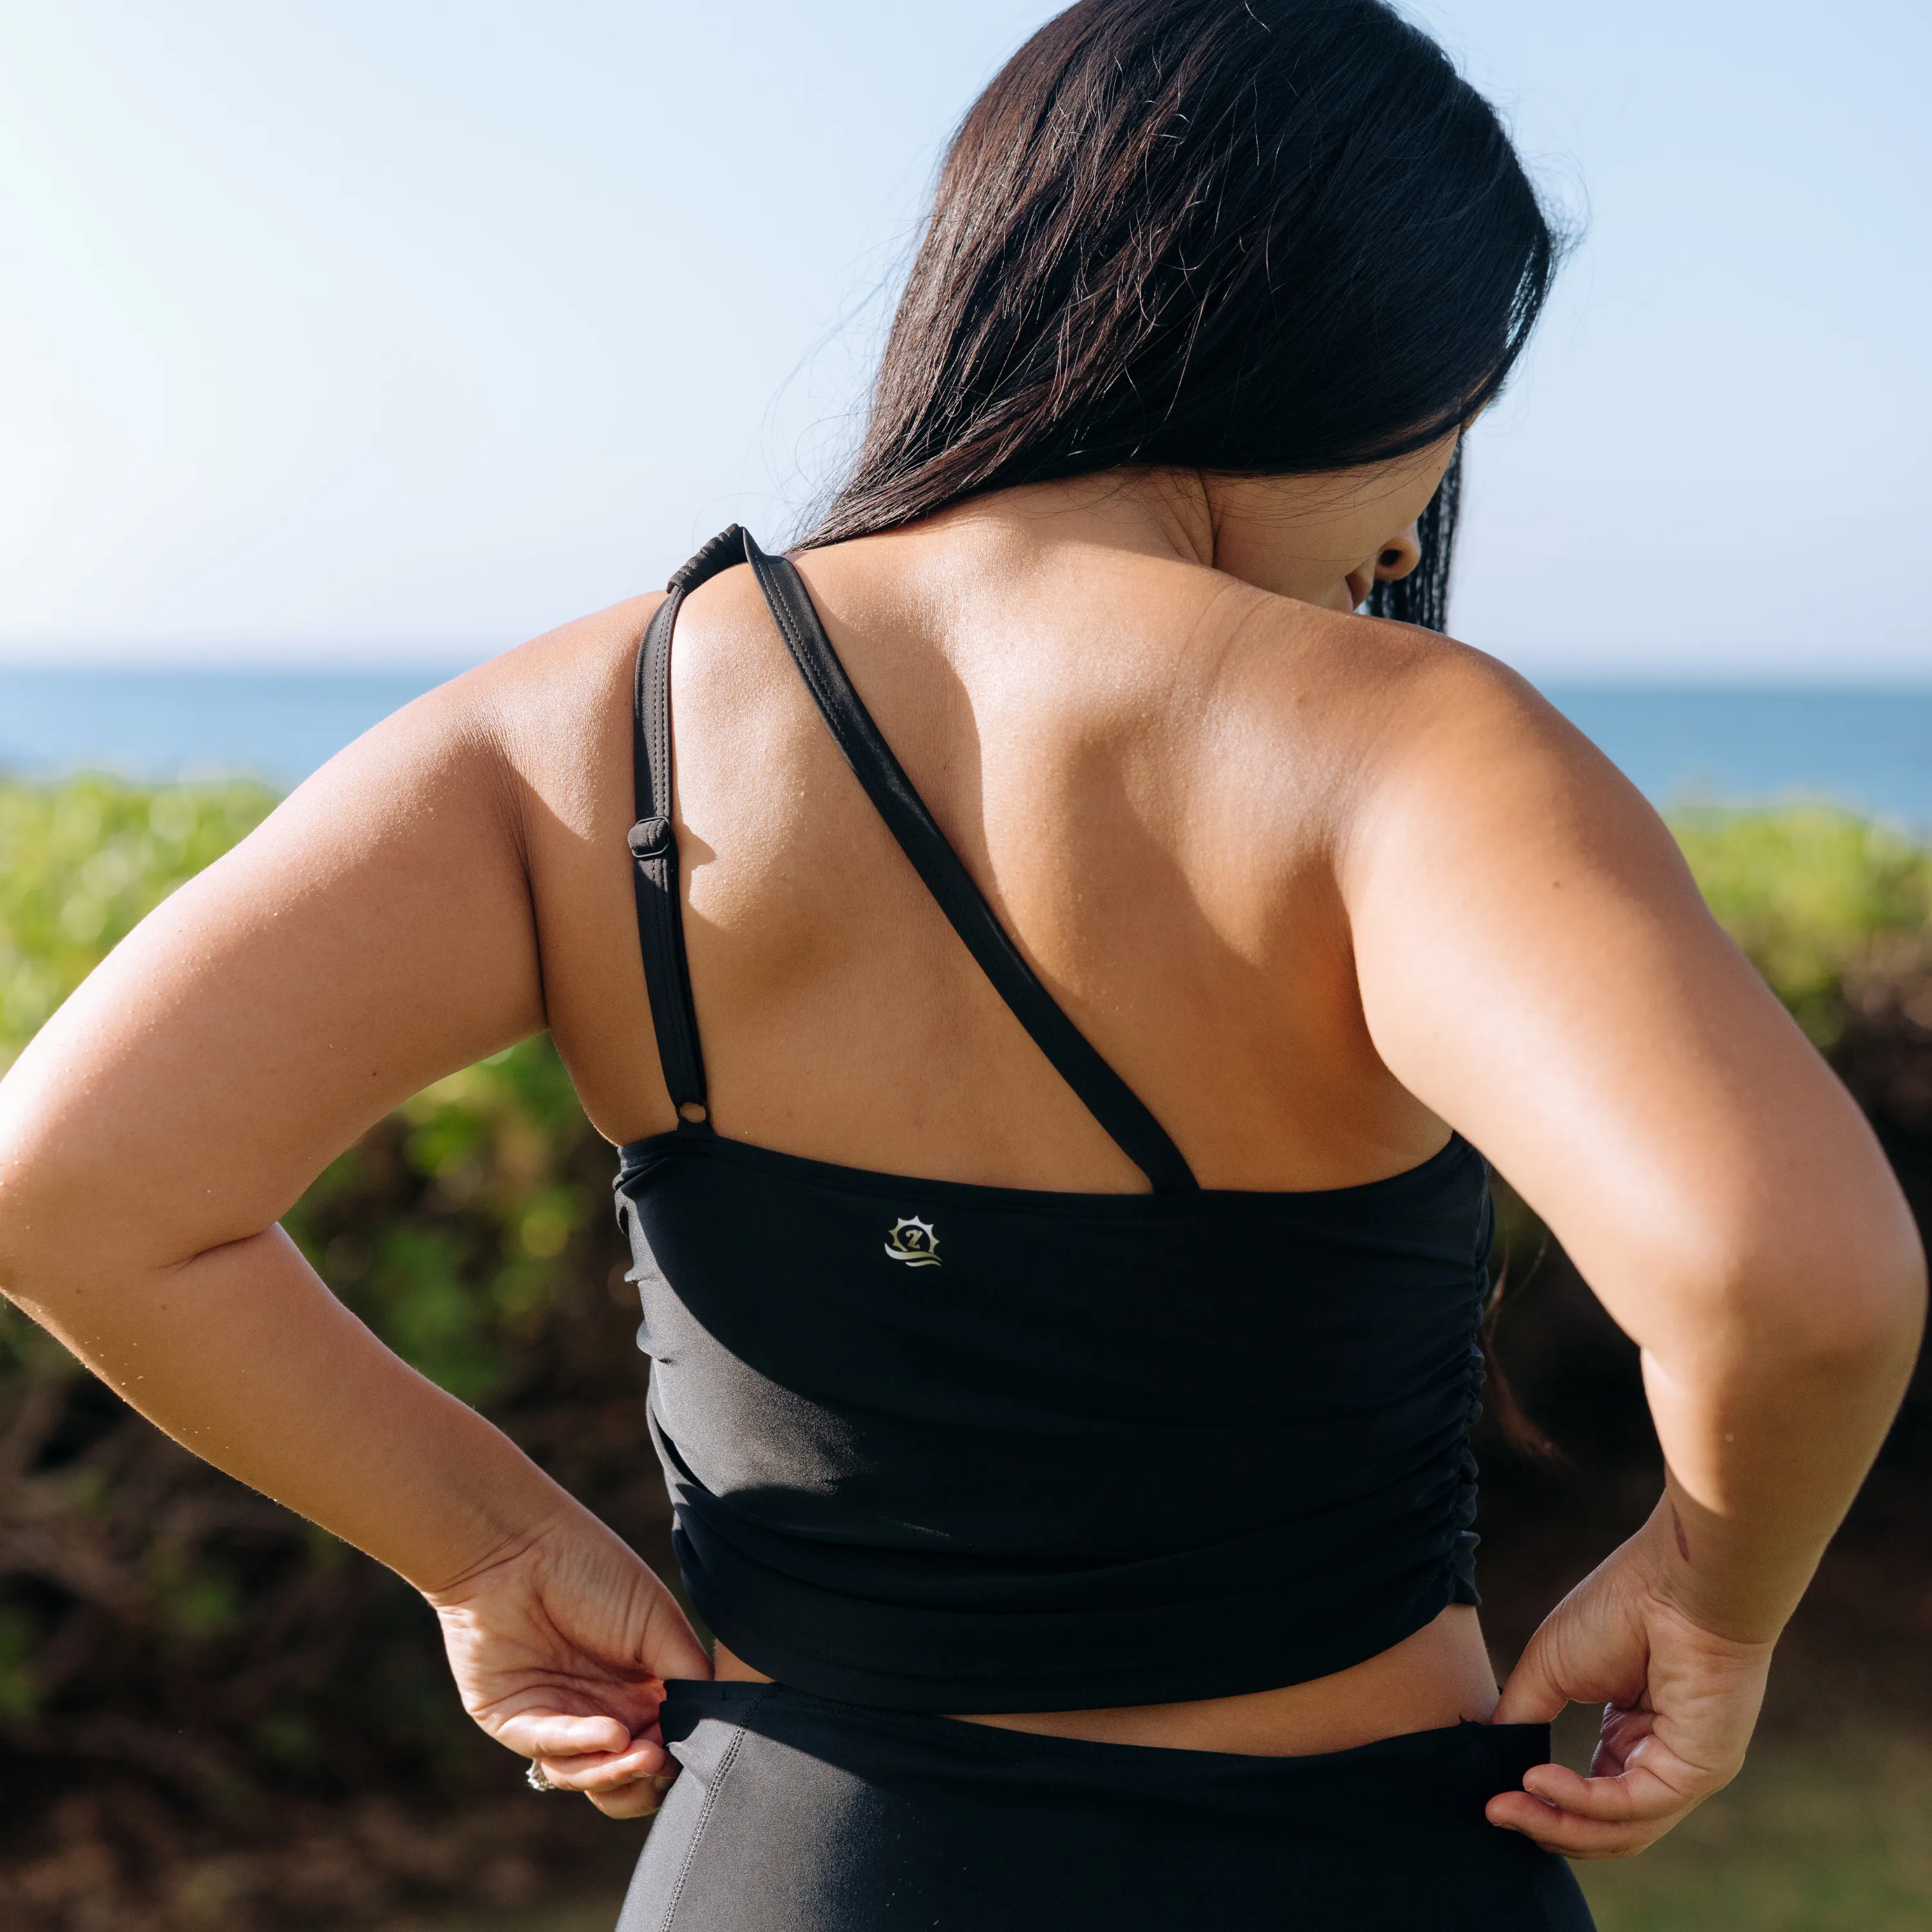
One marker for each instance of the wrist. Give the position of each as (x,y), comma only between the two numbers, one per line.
(514,1536)
(1693,1572)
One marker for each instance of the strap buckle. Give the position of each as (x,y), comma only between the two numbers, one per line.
(648,839)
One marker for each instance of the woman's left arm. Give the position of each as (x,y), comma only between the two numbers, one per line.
(1536,965)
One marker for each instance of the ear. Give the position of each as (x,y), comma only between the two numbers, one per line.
(1400,555)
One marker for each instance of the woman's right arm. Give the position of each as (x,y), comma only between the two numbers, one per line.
(375,933)
(1536,965)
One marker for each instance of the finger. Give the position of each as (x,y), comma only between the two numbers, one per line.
(1566,1832)
(1621,1732)
(1592,1817)
(604,1770)
(632,1800)
(1653,1782)
(1636,1792)
(546,1734)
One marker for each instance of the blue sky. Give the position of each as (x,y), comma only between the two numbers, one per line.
(365,334)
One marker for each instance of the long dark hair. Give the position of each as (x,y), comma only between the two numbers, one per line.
(1258,237)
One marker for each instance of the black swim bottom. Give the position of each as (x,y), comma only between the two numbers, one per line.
(795,1813)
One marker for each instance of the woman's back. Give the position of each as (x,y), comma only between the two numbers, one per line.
(1131,1451)
(1151,770)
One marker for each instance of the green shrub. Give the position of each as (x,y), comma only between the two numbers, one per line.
(1816,897)
(459,1288)
(82,863)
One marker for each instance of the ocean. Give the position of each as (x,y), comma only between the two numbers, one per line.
(1868,748)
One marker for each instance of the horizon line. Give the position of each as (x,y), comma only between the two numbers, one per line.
(1693,677)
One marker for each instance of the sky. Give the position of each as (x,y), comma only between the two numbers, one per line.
(366,335)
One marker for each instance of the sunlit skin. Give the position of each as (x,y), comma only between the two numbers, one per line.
(1318,887)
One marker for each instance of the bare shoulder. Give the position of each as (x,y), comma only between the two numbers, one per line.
(1398,733)
(553,719)
(1462,758)
(495,762)
(553,715)
(1377,687)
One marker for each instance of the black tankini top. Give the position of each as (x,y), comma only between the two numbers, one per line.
(933,1446)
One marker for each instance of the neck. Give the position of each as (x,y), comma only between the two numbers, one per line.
(1301,537)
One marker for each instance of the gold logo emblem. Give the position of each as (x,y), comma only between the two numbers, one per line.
(913,1241)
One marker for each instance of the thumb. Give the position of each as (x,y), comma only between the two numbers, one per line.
(1532,1696)
(671,1645)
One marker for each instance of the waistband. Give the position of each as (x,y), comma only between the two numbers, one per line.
(1458,1767)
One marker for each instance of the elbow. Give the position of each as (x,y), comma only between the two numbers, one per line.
(1882,1314)
(37,1225)
(1851,1235)
(52,1224)
(1825,1290)
(1879,1306)
(40,1243)
(1855,1310)
(77,1236)
(84,1204)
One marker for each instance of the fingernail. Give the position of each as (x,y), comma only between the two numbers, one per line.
(663,1781)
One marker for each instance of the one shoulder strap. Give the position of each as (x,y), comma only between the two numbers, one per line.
(654,846)
(1107,1096)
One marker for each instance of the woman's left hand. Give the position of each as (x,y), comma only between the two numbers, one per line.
(1679,1704)
(561,1653)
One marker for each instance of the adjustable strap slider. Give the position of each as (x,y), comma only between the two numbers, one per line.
(725,549)
(650,838)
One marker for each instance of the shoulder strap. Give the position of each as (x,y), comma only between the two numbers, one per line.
(1107,1096)
(654,847)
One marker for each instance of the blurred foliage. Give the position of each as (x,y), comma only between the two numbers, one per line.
(1819,898)
(82,864)
(185,1666)
(460,1288)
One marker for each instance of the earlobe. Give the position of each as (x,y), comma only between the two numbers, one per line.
(1400,556)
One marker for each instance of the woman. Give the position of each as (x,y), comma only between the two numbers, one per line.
(1061,1253)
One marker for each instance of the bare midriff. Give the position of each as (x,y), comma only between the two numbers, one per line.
(1433,1679)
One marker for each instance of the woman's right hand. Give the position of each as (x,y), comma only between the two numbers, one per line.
(1680,1703)
(560,1653)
